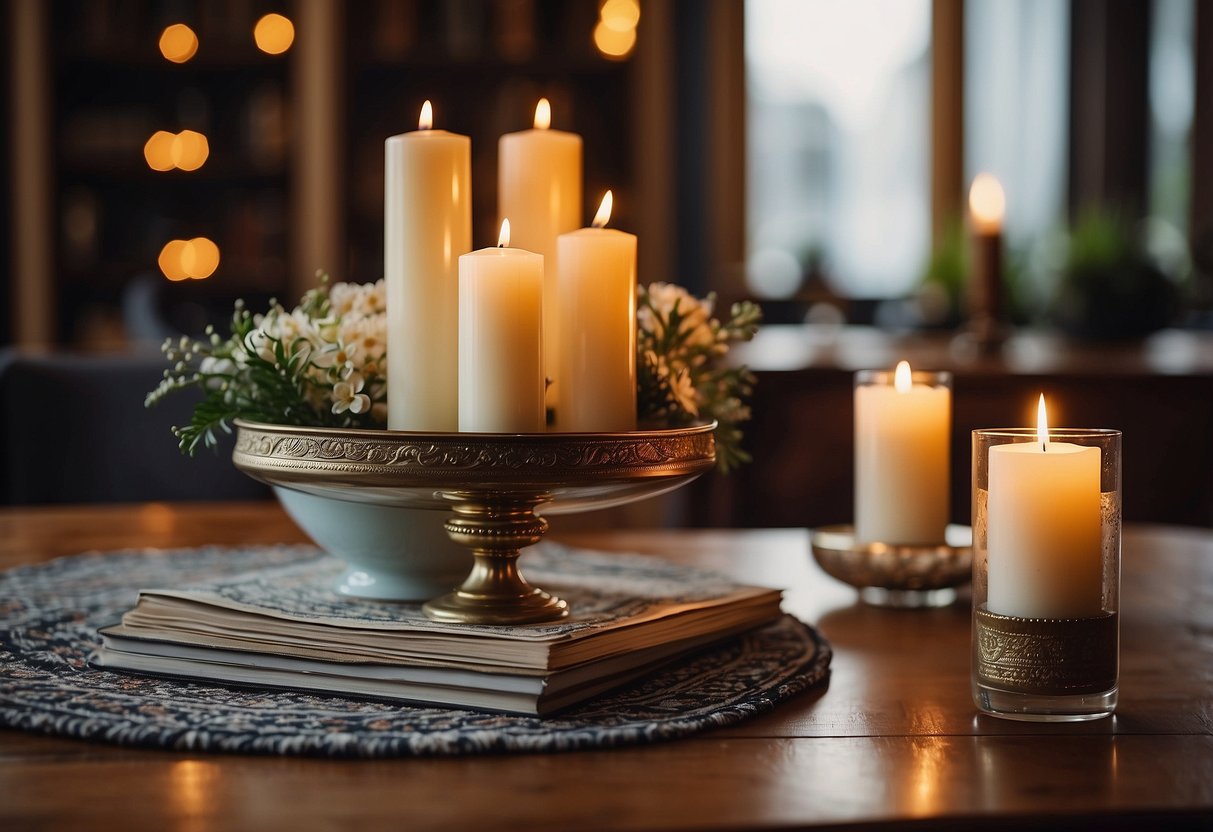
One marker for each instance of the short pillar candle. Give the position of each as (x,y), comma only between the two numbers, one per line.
(500,339)
(903,423)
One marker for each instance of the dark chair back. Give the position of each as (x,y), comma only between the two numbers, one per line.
(73,429)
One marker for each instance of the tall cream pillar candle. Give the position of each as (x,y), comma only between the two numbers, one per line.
(427,224)
(1044,533)
(539,189)
(500,339)
(596,306)
(902,433)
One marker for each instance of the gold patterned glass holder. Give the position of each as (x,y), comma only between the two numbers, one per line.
(1052,669)
(492,485)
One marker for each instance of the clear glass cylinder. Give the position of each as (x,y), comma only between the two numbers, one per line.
(1046,573)
(902,457)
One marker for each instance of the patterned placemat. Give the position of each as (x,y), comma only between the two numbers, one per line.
(49,615)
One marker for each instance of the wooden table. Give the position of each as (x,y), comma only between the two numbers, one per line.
(892,741)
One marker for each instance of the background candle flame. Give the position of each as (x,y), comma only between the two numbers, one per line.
(903,380)
(1042,423)
(426,121)
(604,210)
(987,203)
(503,239)
(543,114)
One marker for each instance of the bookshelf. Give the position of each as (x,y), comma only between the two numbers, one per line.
(293,181)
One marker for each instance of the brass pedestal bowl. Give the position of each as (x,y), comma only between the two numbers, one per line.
(492,484)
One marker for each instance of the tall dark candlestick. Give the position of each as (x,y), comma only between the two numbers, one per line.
(986,323)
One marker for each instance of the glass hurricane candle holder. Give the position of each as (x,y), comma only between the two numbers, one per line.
(1046,573)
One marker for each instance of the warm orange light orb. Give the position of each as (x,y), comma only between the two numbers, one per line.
(170,260)
(159,151)
(620,15)
(274,34)
(612,43)
(190,150)
(200,258)
(178,43)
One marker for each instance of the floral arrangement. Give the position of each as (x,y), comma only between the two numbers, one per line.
(680,376)
(324,363)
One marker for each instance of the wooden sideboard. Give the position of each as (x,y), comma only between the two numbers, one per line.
(1159,392)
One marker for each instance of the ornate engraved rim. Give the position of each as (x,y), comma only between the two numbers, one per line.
(278,453)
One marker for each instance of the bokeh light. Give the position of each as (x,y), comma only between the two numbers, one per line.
(170,260)
(190,150)
(200,258)
(178,43)
(183,259)
(274,34)
(159,151)
(612,43)
(620,15)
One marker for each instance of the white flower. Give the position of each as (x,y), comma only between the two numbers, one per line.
(261,344)
(369,337)
(355,300)
(684,391)
(336,356)
(695,325)
(348,395)
(215,371)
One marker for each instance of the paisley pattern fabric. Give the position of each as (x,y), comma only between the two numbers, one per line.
(49,615)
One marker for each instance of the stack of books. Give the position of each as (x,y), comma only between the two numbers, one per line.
(281,627)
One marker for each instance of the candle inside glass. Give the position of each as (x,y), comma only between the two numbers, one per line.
(1045,552)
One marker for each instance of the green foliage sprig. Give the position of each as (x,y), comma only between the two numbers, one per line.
(680,367)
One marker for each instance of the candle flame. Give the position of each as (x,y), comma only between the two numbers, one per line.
(543,114)
(426,121)
(1042,424)
(503,239)
(903,381)
(604,210)
(987,203)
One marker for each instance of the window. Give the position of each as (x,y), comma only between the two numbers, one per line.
(837,144)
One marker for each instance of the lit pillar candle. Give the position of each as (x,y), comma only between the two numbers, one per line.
(987,205)
(595,303)
(902,460)
(427,224)
(500,339)
(539,189)
(1044,545)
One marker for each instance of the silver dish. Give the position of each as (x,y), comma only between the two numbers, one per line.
(896,575)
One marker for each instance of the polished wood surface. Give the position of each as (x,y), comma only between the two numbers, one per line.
(892,741)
